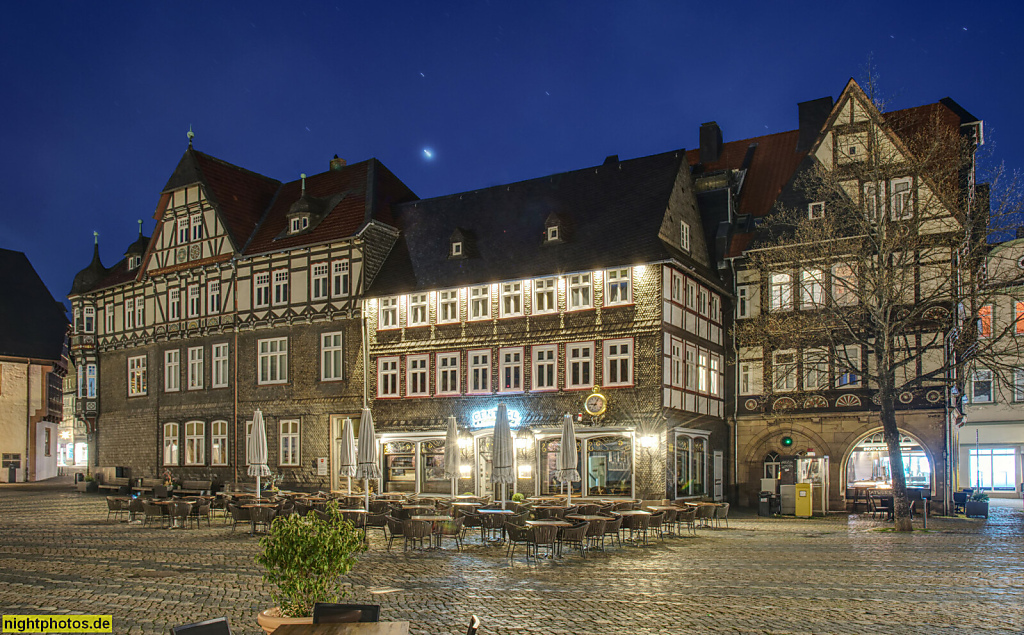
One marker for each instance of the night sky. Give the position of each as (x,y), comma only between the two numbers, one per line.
(98,97)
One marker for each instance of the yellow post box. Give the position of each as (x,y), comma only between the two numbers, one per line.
(803,500)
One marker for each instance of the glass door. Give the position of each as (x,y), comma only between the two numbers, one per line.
(484,463)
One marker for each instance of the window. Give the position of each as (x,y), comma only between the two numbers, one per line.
(618,362)
(447,306)
(552,233)
(91,385)
(196,221)
(416,375)
(676,363)
(388,317)
(195,368)
(985,321)
(172,370)
(847,375)
(174,304)
(219,353)
(784,371)
(691,368)
(580,296)
(691,295)
(195,443)
(417,310)
(815,369)
(715,313)
(280,287)
(330,357)
(617,289)
(136,376)
(261,288)
(447,382)
(182,231)
(902,208)
(109,311)
(129,313)
(289,442)
(1018,318)
(387,377)
(714,385)
(871,201)
(781,291)
(545,362)
(677,288)
(702,371)
(684,235)
(170,444)
(981,386)
(844,285)
(545,300)
(479,371)
(746,373)
(993,468)
(510,370)
(457,248)
(1018,384)
(816,210)
(89,325)
(219,443)
(273,361)
(511,299)
(299,223)
(140,316)
(702,302)
(479,303)
(579,365)
(811,290)
(195,301)
(213,297)
(318,281)
(339,278)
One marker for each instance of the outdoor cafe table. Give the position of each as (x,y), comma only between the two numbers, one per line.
(345,628)
(661,508)
(495,511)
(252,521)
(587,517)
(433,520)
(633,512)
(466,504)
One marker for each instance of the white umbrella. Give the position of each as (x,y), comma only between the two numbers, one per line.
(565,462)
(501,465)
(348,453)
(452,455)
(366,458)
(256,449)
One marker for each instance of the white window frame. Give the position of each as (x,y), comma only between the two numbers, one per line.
(781,291)
(703,371)
(1018,385)
(552,233)
(615,361)
(816,210)
(784,372)
(387,378)
(745,372)
(332,356)
(174,304)
(448,306)
(714,375)
(387,314)
(195,368)
(319,276)
(510,369)
(545,296)
(691,295)
(684,235)
(872,200)
(196,222)
(981,376)
(282,278)
(447,374)
(703,302)
(290,439)
(109,313)
(272,361)
(213,297)
(183,231)
(901,204)
(478,375)
(261,290)
(510,303)
(298,224)
(417,376)
(137,376)
(340,282)
(676,288)
(675,377)
(171,455)
(195,301)
(140,312)
(844,284)
(690,361)
(89,319)
(172,370)
(544,363)
(456,248)
(618,287)
(129,313)
(815,369)
(219,441)
(220,365)
(845,378)
(195,443)
(479,303)
(579,361)
(579,291)
(812,288)
(418,310)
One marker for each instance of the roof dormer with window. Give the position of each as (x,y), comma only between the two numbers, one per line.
(460,244)
(555,229)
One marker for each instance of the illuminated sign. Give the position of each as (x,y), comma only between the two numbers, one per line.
(486,418)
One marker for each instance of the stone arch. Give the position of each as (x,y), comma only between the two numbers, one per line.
(873,428)
(756,448)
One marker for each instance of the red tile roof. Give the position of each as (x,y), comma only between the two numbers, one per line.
(240,195)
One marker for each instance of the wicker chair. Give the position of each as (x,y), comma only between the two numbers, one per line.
(543,536)
(380,507)
(613,528)
(491,525)
(180,512)
(239,515)
(200,511)
(705,515)
(517,535)
(637,526)
(114,507)
(451,529)
(394,529)
(135,507)
(377,522)
(588,509)
(472,520)
(576,537)
(154,513)
(687,517)
(655,522)
(722,513)
(416,531)
(669,523)
(595,534)
(262,516)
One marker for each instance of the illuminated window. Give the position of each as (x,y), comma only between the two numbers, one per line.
(480,303)
(545,365)
(617,287)
(417,310)
(618,362)
(136,376)
(387,377)
(416,375)
(447,382)
(170,444)
(195,443)
(447,306)
(219,443)
(511,299)
(510,370)
(545,299)
(479,371)
(579,365)
(388,315)
(580,292)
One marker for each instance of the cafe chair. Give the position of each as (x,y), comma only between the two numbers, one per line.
(474,625)
(218,626)
(326,613)
(960,502)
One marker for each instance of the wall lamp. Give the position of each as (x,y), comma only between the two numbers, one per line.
(465,470)
(648,442)
(525,471)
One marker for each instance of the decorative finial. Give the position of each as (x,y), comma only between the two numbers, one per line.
(191,135)
(140,228)
(303,177)
(95,238)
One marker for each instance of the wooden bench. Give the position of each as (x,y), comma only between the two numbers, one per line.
(146,484)
(195,487)
(121,485)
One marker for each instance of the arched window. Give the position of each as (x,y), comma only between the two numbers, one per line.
(771,465)
(195,443)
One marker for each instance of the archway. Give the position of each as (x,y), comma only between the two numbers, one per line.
(866,464)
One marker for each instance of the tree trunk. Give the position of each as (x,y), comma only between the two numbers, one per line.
(901,506)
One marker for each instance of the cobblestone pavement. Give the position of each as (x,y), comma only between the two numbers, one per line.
(58,554)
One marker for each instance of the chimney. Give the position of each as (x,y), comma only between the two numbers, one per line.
(611,159)
(337,164)
(1020,232)
(813,115)
(710,142)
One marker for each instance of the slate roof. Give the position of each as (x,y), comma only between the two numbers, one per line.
(32,323)
(615,211)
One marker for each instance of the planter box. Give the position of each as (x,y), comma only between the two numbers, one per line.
(88,486)
(975,509)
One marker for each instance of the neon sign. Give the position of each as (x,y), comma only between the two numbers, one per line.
(486,418)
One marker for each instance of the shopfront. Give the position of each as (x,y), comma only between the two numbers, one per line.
(869,466)
(605,463)
(690,463)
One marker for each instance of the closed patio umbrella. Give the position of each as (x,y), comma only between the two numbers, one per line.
(452,456)
(348,453)
(366,458)
(565,462)
(256,449)
(501,467)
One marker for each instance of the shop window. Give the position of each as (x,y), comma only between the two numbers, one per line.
(432,479)
(609,466)
(993,468)
(399,466)
(548,450)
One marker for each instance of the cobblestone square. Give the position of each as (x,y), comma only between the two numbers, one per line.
(59,554)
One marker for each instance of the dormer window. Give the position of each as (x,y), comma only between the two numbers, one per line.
(298,224)
(456,248)
(684,235)
(134,262)
(556,229)
(552,233)
(816,210)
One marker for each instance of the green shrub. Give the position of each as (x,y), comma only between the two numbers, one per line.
(518,497)
(979,497)
(304,558)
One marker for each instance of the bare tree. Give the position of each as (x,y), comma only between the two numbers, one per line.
(873,265)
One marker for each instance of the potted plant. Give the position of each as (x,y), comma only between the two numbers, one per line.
(304,558)
(88,484)
(518,497)
(977,505)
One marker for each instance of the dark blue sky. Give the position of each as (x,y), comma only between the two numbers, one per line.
(97,97)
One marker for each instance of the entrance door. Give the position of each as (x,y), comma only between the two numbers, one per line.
(719,467)
(484,459)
